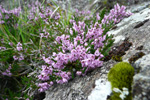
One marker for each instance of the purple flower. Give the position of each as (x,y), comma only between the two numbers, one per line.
(19,46)
(58,39)
(97,53)
(42,15)
(46,71)
(10,43)
(45,34)
(79,73)
(72,21)
(43,77)
(2,22)
(69,73)
(71,32)
(116,14)
(6,17)
(51,83)
(2,48)
(15,57)
(7,72)
(43,86)
(97,16)
(21,57)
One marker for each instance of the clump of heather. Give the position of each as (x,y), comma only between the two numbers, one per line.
(38,12)
(9,16)
(116,14)
(82,48)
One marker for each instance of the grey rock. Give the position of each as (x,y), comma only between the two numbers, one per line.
(141,82)
(138,36)
(75,4)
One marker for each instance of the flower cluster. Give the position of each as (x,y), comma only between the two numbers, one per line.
(8,14)
(19,56)
(2,48)
(19,46)
(7,72)
(46,71)
(116,14)
(68,61)
(44,86)
(45,34)
(37,12)
(87,14)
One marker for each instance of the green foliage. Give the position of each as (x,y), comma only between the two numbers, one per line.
(107,45)
(7,55)
(13,87)
(121,75)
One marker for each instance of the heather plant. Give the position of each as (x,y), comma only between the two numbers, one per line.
(43,45)
(81,49)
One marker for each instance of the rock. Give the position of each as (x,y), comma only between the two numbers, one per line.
(141,82)
(137,28)
(138,36)
(95,4)
(77,4)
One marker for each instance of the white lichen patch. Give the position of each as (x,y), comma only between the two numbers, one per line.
(101,90)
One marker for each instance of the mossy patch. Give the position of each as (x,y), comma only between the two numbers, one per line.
(120,76)
(116,58)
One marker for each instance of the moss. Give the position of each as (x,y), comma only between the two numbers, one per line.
(116,58)
(121,75)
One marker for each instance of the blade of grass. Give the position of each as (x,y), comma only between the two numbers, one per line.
(54,3)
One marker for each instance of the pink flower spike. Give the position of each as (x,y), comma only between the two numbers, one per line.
(97,16)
